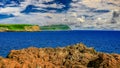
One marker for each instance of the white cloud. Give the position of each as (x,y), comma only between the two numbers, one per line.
(78,16)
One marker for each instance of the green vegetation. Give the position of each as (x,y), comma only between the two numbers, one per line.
(55,27)
(29,27)
(14,27)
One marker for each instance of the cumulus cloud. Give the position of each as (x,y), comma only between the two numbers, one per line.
(78,14)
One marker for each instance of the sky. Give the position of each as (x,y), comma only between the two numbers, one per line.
(77,14)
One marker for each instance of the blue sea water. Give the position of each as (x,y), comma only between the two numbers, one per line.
(103,41)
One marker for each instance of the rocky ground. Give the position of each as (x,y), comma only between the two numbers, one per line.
(75,56)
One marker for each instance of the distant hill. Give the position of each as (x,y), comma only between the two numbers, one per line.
(18,27)
(29,27)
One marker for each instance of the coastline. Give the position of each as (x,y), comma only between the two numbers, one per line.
(58,30)
(37,28)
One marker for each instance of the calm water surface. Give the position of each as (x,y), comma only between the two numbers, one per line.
(104,41)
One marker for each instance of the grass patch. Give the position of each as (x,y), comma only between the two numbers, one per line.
(13,27)
(55,27)
(29,27)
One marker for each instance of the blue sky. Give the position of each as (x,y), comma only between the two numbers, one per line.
(78,14)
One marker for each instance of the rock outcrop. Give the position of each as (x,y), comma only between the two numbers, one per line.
(106,61)
(3,29)
(32,28)
(76,56)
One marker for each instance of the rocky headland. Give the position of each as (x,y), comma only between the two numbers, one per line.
(75,56)
(18,28)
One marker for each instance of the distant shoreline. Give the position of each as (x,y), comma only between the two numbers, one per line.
(32,28)
(37,28)
(59,30)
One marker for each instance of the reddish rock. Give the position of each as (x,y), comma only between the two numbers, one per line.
(76,56)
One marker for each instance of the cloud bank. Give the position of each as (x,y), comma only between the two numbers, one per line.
(78,14)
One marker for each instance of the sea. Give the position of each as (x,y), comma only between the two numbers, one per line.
(102,41)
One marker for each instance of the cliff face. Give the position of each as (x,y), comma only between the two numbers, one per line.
(76,56)
(3,29)
(32,28)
